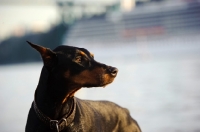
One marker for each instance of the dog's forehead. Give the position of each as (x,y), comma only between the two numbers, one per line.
(83,51)
(72,50)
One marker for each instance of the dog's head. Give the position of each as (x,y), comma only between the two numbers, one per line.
(76,66)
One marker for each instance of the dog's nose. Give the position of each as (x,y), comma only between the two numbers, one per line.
(113,71)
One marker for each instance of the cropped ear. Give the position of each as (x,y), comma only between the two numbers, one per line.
(48,56)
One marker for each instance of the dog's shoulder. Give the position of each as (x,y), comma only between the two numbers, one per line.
(104,109)
(108,112)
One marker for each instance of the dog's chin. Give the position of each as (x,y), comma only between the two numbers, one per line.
(102,81)
(102,84)
(106,83)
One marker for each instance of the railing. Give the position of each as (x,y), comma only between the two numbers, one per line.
(182,20)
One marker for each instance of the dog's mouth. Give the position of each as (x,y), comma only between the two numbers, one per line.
(101,81)
(106,79)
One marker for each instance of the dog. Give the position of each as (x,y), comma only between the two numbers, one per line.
(55,109)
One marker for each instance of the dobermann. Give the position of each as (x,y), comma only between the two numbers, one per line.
(55,109)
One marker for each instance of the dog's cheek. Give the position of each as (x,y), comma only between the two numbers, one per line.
(86,77)
(66,74)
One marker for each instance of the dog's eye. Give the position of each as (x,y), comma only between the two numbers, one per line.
(78,59)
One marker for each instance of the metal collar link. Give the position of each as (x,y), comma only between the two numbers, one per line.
(54,125)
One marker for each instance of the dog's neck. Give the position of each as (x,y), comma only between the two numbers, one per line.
(53,96)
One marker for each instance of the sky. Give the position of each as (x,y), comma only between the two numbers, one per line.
(17,17)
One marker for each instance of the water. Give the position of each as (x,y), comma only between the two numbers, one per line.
(159,84)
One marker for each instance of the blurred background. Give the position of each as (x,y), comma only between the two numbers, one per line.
(155,44)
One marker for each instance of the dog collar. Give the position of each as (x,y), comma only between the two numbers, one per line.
(56,125)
